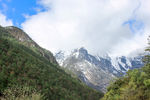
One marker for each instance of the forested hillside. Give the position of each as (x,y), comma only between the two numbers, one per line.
(135,85)
(26,75)
(25,40)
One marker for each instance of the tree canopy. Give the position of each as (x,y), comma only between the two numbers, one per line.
(135,85)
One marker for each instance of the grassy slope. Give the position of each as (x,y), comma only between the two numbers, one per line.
(22,67)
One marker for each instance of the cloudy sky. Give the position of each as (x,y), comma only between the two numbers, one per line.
(117,27)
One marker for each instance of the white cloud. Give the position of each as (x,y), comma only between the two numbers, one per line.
(4,21)
(95,24)
(139,41)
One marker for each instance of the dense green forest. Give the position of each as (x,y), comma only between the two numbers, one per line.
(135,85)
(27,72)
(25,75)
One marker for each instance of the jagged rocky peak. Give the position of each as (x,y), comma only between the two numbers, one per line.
(80,50)
(80,53)
(82,64)
(83,51)
(97,71)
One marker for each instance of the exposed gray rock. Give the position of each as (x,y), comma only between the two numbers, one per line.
(96,71)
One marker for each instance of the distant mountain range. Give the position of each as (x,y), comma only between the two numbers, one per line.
(30,72)
(97,71)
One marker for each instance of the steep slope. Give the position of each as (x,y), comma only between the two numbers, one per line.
(97,71)
(20,66)
(81,64)
(28,42)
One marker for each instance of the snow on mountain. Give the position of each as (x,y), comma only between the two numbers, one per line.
(96,71)
(123,64)
(60,57)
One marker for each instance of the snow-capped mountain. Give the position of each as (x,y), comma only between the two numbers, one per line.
(96,71)
(123,64)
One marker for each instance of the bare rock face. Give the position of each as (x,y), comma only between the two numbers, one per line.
(97,72)
(27,41)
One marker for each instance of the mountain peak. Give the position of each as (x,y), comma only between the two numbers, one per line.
(89,67)
(83,50)
(80,53)
(28,70)
(19,34)
(25,40)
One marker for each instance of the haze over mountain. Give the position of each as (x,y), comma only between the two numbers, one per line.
(118,27)
(97,71)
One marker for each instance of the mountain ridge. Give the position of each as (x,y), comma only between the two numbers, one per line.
(21,36)
(24,73)
(102,69)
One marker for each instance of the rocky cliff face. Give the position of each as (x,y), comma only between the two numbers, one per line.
(96,71)
(27,41)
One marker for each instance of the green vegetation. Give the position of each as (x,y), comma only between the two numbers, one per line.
(25,40)
(26,75)
(20,93)
(133,86)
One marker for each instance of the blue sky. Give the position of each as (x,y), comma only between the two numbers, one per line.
(16,10)
(118,27)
